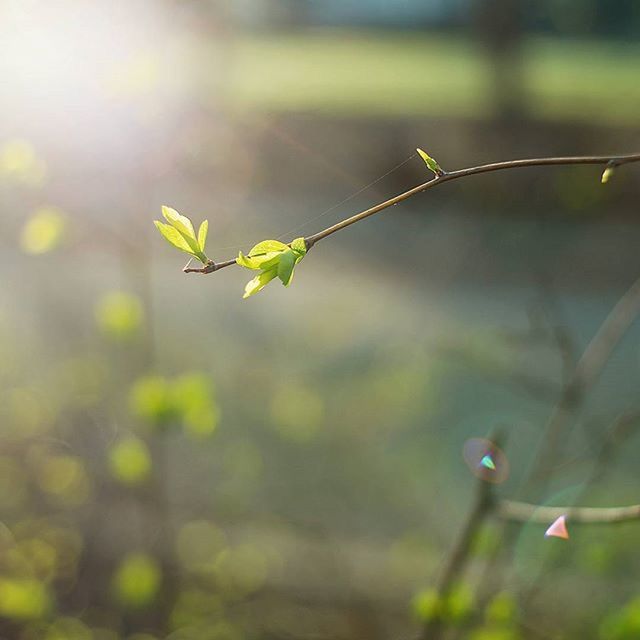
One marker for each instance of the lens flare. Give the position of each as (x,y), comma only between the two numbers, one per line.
(488,463)
(486,460)
(558,529)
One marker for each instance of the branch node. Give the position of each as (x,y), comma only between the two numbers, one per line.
(210,267)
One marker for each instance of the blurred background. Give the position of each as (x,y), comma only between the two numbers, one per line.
(178,463)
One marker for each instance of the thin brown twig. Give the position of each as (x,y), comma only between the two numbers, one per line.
(610,160)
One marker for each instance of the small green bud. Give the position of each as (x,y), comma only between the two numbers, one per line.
(431,163)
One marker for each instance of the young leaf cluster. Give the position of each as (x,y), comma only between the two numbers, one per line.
(180,233)
(273,259)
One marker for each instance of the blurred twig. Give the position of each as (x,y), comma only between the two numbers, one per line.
(621,429)
(457,559)
(585,374)
(577,384)
(525,512)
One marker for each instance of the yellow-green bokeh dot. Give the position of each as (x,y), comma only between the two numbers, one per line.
(137,580)
(62,477)
(130,461)
(119,314)
(23,598)
(44,231)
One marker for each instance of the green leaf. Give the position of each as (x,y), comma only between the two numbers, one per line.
(174,237)
(299,246)
(430,162)
(202,234)
(181,223)
(259,282)
(261,261)
(267,246)
(285,267)
(184,226)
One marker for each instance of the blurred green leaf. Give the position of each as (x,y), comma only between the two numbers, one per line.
(623,624)
(130,461)
(194,399)
(23,598)
(486,542)
(19,162)
(152,400)
(62,477)
(44,231)
(137,580)
(426,605)
(459,604)
(119,314)
(502,609)
(188,400)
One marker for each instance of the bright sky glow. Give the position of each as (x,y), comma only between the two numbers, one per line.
(78,70)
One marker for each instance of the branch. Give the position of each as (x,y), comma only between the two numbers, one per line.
(458,557)
(585,374)
(610,161)
(525,512)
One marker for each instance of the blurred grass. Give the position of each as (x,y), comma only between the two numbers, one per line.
(412,74)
